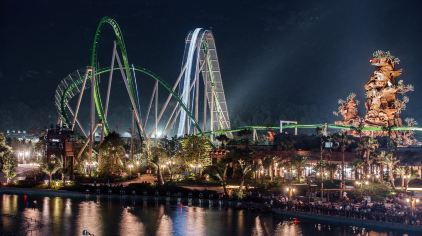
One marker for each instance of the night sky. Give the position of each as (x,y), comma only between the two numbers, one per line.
(279,60)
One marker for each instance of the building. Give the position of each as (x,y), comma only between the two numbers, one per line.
(61,143)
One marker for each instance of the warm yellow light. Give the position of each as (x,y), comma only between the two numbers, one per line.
(407,199)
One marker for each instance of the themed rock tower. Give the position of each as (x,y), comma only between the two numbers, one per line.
(385,95)
(385,100)
(348,109)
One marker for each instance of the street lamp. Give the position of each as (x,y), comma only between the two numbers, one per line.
(130,166)
(195,167)
(290,191)
(325,144)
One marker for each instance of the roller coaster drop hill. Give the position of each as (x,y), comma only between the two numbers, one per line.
(194,104)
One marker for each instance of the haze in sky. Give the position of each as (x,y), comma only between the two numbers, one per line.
(279,59)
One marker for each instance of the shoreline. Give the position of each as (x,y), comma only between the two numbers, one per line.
(304,215)
(350,221)
(74,194)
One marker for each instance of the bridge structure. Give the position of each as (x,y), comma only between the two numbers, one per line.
(194,104)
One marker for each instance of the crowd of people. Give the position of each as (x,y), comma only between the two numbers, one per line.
(398,209)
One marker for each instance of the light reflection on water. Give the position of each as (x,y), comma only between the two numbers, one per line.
(135,216)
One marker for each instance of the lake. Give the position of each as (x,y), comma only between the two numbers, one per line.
(114,215)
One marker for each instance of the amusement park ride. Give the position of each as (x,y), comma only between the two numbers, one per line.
(195,103)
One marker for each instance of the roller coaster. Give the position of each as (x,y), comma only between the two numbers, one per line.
(194,104)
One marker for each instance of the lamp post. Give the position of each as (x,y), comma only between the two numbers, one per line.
(196,167)
(130,166)
(170,164)
(343,149)
(290,191)
(327,145)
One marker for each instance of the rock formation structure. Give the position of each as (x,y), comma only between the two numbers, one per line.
(348,109)
(385,95)
(385,100)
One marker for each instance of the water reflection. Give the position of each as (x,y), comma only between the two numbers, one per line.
(165,223)
(9,204)
(89,218)
(287,228)
(130,225)
(129,216)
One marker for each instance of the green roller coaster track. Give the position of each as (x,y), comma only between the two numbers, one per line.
(98,71)
(314,126)
(147,72)
(121,45)
(132,92)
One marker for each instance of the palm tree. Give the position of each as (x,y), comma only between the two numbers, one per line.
(158,156)
(243,163)
(267,163)
(366,148)
(357,166)
(331,168)
(51,167)
(299,162)
(319,168)
(245,167)
(411,174)
(401,171)
(388,160)
(219,171)
(112,152)
(344,141)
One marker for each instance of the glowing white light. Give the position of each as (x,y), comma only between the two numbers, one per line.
(158,134)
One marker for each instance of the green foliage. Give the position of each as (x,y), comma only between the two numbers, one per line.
(156,155)
(244,162)
(9,166)
(218,171)
(378,192)
(367,147)
(50,167)
(111,155)
(195,151)
(388,160)
(8,161)
(298,162)
(331,169)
